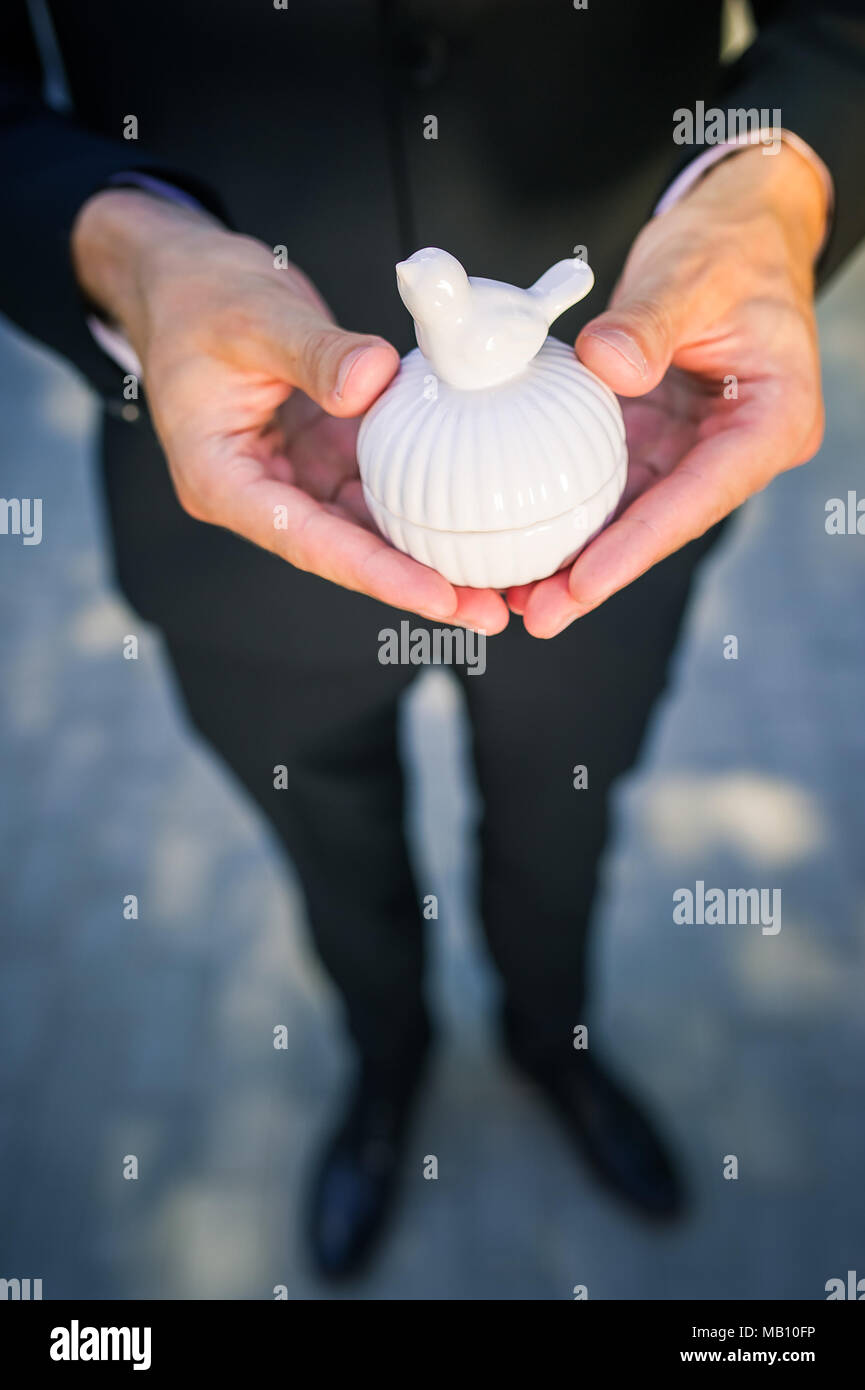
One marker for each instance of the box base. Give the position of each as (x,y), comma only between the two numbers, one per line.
(500,559)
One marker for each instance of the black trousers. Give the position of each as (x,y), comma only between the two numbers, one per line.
(539,709)
(281,669)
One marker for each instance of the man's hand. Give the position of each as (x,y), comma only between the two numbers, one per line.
(252,388)
(711,335)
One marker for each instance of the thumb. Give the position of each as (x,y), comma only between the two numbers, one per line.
(342,372)
(631,346)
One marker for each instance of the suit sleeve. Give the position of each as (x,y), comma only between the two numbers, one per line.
(808,62)
(49,167)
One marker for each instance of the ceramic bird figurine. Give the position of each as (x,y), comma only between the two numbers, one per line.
(494,455)
(476,332)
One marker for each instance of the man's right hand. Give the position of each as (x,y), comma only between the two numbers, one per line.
(252,388)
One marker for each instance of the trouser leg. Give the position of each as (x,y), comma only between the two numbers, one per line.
(540,710)
(338,810)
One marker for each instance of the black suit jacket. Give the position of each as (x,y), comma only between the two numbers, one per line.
(305,126)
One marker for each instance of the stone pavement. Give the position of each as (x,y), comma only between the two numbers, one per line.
(154,1037)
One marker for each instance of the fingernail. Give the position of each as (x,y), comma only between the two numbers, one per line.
(624,345)
(346,367)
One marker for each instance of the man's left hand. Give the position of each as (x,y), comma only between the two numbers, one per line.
(711,338)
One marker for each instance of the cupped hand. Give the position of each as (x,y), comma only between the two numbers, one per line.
(711,341)
(254,393)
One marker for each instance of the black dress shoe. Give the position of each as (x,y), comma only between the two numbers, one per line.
(610,1130)
(356,1180)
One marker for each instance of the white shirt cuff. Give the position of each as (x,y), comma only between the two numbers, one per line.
(115,343)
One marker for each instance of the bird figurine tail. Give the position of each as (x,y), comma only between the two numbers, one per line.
(560,287)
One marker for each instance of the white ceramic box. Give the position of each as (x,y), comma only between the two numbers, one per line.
(494,455)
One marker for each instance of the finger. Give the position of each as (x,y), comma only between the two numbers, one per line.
(711,481)
(315,538)
(482,609)
(631,346)
(321,542)
(550,607)
(518,596)
(342,372)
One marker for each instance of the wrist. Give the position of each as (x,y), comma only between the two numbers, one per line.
(785,187)
(117,240)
